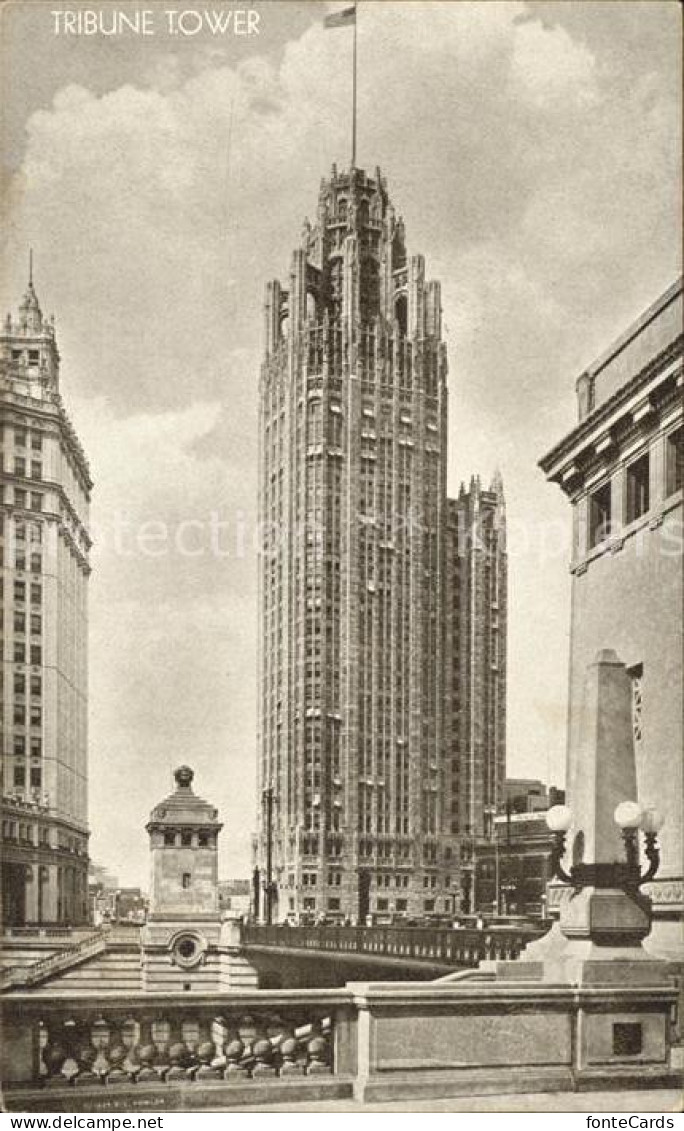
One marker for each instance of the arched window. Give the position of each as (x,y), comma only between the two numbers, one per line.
(401,313)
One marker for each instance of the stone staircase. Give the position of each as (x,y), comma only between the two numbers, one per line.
(115,970)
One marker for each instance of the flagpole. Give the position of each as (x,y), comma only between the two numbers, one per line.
(353,159)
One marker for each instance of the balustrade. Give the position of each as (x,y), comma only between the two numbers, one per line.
(457,946)
(100,1042)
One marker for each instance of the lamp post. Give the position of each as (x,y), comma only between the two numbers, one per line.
(630,817)
(269,884)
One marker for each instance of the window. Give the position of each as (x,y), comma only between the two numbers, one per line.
(19,465)
(36,594)
(36,777)
(19,684)
(19,497)
(203,840)
(20,622)
(36,501)
(333,904)
(186,840)
(20,776)
(36,746)
(36,470)
(169,839)
(599,515)
(19,590)
(19,745)
(36,563)
(186,880)
(637,488)
(34,357)
(636,675)
(674,461)
(19,653)
(36,685)
(36,654)
(20,437)
(36,441)
(36,625)
(383,904)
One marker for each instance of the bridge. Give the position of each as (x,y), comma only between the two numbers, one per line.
(332,955)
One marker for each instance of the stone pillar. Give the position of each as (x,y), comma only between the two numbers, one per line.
(603,918)
(236,971)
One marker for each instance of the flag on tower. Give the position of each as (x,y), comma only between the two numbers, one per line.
(346,17)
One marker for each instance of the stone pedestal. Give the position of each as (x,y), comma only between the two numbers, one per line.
(596,945)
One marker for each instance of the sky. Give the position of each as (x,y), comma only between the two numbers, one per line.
(533,151)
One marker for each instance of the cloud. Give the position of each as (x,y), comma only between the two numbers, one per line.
(550,69)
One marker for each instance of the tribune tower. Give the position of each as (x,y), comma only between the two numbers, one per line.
(353,417)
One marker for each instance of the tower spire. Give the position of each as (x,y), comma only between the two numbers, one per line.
(30,267)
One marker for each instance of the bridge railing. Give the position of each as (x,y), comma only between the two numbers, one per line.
(162,1042)
(451,946)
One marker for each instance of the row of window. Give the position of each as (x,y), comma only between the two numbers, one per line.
(20,468)
(35,684)
(35,743)
(35,623)
(22,436)
(35,777)
(36,592)
(13,830)
(333,904)
(637,493)
(28,500)
(32,357)
(32,655)
(186,839)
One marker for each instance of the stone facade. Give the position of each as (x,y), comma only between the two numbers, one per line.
(621,468)
(353,416)
(46,489)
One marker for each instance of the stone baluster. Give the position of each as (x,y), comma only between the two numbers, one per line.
(263,1056)
(55,1054)
(235,1069)
(318,1058)
(178,1061)
(289,1051)
(116,1054)
(206,1070)
(85,1058)
(148,1072)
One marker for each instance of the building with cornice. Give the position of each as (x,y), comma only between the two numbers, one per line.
(45,546)
(355,782)
(622,469)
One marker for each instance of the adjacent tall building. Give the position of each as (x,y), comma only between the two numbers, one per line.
(45,547)
(476,621)
(356,784)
